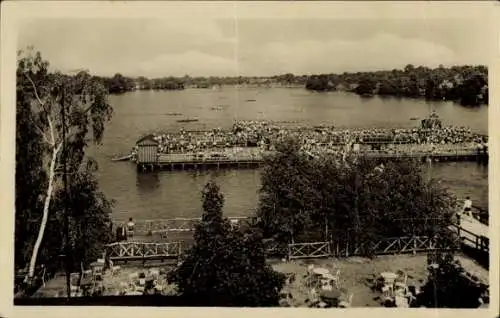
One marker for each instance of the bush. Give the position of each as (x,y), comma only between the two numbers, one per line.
(450,286)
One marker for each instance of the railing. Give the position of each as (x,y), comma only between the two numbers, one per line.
(259,155)
(398,245)
(123,251)
(474,240)
(309,250)
(145,227)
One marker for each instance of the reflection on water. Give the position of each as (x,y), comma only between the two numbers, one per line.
(178,194)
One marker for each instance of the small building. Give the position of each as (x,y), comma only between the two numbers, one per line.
(147,150)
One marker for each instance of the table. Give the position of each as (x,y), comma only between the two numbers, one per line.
(389,276)
(333,296)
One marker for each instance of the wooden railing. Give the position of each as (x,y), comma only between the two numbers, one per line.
(147,227)
(398,245)
(478,242)
(130,251)
(309,250)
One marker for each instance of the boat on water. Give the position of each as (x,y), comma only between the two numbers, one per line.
(251,100)
(219,107)
(173,114)
(414,118)
(187,120)
(123,158)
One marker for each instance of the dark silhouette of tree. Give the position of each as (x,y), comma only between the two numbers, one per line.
(366,87)
(90,216)
(226,267)
(450,286)
(464,84)
(471,90)
(301,196)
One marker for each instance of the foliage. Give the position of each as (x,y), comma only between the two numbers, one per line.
(119,84)
(226,267)
(302,196)
(465,84)
(450,286)
(89,216)
(44,99)
(31,179)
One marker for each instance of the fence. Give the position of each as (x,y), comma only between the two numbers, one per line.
(145,227)
(130,251)
(399,245)
(309,250)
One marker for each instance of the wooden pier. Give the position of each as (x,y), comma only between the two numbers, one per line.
(171,162)
(148,158)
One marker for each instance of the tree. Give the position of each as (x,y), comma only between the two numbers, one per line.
(365,87)
(31,179)
(82,100)
(90,216)
(311,199)
(226,267)
(449,285)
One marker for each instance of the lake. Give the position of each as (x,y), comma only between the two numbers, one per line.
(177,194)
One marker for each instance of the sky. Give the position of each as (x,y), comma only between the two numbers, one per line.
(238,45)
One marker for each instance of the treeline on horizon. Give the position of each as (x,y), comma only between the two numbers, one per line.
(466,84)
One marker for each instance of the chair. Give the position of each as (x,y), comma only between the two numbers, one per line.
(387,291)
(310,274)
(313,295)
(44,273)
(155,272)
(401,301)
(97,273)
(336,278)
(402,277)
(74,284)
(346,303)
(400,288)
(115,270)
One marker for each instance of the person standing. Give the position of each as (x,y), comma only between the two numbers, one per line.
(130,227)
(468,207)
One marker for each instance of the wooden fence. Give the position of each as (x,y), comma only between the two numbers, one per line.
(133,251)
(309,250)
(398,245)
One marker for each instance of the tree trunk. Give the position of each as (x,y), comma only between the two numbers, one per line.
(46,206)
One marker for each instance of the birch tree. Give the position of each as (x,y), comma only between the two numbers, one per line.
(81,100)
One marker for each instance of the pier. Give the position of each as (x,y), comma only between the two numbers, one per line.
(190,162)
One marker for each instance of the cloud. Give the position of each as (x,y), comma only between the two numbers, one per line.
(206,46)
(192,63)
(382,51)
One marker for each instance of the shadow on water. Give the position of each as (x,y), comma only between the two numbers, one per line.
(148,182)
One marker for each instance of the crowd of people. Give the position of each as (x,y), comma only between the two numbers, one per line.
(320,138)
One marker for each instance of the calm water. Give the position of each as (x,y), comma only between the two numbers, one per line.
(177,194)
